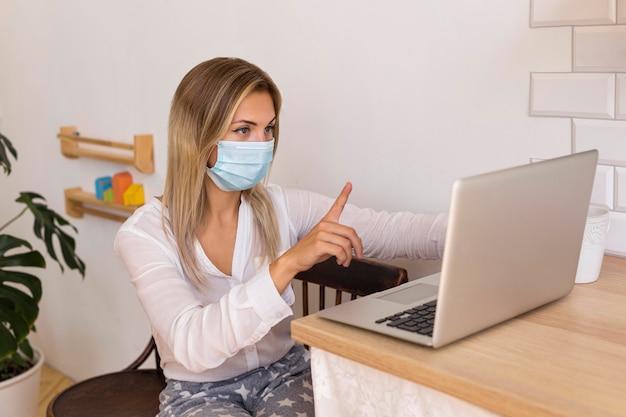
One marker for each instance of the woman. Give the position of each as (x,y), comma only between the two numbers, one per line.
(213,258)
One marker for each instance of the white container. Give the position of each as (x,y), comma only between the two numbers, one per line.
(594,243)
(19,396)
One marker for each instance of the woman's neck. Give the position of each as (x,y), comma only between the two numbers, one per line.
(223,206)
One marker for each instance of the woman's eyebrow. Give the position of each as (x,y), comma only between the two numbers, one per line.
(249,122)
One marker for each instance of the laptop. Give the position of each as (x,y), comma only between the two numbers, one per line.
(512,245)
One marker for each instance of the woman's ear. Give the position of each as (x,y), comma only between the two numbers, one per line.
(210,163)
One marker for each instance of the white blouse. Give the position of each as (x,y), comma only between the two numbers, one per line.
(238,323)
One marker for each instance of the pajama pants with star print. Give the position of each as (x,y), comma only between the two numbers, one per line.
(283,389)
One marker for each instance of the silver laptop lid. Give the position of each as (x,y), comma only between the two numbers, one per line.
(513,242)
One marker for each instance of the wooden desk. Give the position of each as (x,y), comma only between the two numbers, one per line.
(565,359)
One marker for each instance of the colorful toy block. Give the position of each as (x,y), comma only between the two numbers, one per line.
(121,181)
(102,185)
(108,195)
(133,196)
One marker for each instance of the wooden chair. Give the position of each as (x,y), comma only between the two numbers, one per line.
(134,392)
(361,278)
(131,392)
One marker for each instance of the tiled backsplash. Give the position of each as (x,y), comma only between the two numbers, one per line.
(593,95)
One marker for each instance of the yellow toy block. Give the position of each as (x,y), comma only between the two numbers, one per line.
(133,196)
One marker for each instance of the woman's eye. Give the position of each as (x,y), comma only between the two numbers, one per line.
(269,132)
(243,130)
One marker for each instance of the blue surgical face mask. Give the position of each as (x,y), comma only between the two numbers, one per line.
(241,165)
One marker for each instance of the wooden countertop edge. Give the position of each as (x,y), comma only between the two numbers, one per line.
(388,357)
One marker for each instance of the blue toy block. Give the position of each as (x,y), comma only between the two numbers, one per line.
(103,184)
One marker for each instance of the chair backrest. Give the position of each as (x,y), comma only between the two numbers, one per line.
(143,356)
(362,277)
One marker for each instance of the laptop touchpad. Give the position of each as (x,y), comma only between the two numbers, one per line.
(411,294)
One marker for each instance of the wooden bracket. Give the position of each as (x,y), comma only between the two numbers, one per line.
(142,156)
(79,202)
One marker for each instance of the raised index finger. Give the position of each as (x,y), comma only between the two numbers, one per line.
(337,207)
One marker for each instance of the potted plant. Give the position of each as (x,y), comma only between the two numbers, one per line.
(21,291)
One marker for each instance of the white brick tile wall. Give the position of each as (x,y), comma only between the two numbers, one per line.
(607,136)
(620,101)
(620,189)
(603,186)
(600,48)
(593,95)
(573,95)
(572,12)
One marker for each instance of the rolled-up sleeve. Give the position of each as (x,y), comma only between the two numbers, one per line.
(385,235)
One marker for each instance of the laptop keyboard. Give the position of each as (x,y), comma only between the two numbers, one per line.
(420,319)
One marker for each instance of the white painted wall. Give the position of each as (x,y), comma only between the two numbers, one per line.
(399,97)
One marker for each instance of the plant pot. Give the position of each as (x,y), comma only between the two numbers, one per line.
(19,396)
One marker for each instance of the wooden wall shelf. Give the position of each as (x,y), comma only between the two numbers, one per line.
(79,202)
(142,153)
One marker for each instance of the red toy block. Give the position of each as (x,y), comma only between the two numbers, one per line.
(121,181)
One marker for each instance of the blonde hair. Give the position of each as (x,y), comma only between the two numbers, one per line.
(202,109)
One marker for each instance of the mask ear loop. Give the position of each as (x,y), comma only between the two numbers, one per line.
(213,148)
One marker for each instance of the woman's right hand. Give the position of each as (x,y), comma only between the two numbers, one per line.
(328,238)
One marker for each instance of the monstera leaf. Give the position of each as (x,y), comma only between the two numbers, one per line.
(47,225)
(20,293)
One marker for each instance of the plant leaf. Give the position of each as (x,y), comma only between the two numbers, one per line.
(8,345)
(15,322)
(5,162)
(48,225)
(8,242)
(21,302)
(27,349)
(31,282)
(18,312)
(30,258)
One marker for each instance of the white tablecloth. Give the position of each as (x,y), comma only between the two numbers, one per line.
(345,388)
